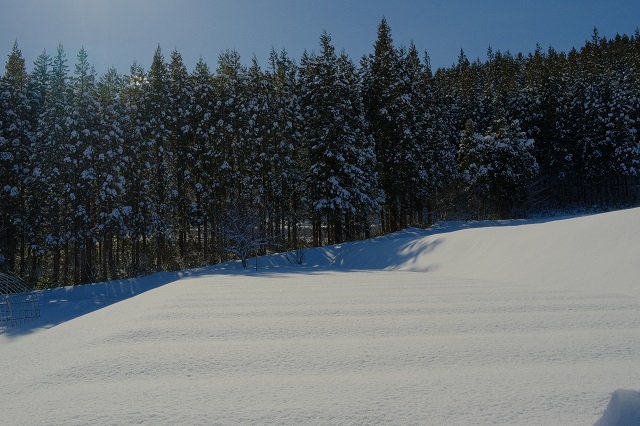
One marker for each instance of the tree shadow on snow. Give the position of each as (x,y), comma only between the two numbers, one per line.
(59,305)
(404,250)
(400,250)
(407,249)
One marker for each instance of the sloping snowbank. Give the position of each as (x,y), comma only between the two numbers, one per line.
(595,252)
(486,323)
(598,252)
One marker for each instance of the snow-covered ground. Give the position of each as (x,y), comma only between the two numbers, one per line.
(517,322)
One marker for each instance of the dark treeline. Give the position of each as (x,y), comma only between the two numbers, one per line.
(103,177)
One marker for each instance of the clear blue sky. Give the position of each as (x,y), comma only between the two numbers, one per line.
(117,32)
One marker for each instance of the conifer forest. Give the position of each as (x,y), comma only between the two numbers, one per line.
(116,175)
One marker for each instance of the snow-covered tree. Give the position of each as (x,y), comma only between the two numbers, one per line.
(379,77)
(286,157)
(16,139)
(342,181)
(157,139)
(229,85)
(401,112)
(123,174)
(137,158)
(496,168)
(242,231)
(111,169)
(203,158)
(179,124)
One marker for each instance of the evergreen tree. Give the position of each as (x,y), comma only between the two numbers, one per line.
(440,142)
(137,158)
(182,136)
(202,155)
(342,179)
(39,94)
(257,185)
(83,152)
(54,158)
(157,138)
(379,78)
(99,177)
(286,161)
(111,169)
(497,168)
(229,84)
(16,140)
(400,106)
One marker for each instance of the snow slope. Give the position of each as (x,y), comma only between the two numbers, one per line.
(588,252)
(517,322)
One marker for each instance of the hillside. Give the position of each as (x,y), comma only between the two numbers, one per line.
(516,322)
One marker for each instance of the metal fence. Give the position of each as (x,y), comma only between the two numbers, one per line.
(18,304)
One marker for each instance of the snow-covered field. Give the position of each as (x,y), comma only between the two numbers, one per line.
(515,323)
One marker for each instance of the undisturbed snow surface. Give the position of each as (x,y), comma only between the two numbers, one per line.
(483,323)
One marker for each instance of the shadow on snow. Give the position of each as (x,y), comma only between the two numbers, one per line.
(388,252)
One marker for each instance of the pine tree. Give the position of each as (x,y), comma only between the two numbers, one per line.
(203,157)
(257,151)
(400,107)
(286,162)
(54,158)
(157,138)
(82,136)
(39,94)
(439,138)
(137,158)
(414,179)
(229,85)
(111,167)
(380,77)
(179,124)
(16,140)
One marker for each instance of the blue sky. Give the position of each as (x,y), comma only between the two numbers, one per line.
(117,32)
